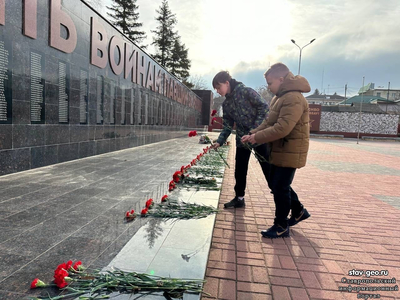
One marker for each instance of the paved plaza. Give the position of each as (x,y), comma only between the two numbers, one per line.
(75,211)
(352,192)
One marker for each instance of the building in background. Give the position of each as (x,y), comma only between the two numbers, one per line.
(386,93)
(325,100)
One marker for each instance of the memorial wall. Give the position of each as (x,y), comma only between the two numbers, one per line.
(73,86)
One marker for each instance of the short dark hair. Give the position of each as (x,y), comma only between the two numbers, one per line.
(221,77)
(277,70)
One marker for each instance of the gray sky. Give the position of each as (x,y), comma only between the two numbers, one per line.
(354,38)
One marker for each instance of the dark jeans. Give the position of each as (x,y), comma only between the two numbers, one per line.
(242,165)
(285,197)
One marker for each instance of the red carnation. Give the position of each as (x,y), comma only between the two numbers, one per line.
(144,212)
(37,283)
(164,198)
(132,212)
(60,276)
(78,266)
(183,169)
(69,265)
(61,266)
(213,113)
(171,185)
(177,176)
(149,203)
(213,120)
(192,133)
(128,214)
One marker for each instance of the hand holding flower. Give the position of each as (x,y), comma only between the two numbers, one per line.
(249,139)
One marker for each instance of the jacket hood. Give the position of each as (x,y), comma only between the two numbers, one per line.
(293,83)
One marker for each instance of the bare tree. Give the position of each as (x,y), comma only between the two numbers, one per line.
(265,93)
(198,82)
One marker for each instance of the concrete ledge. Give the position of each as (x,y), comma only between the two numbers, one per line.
(380,138)
(327,136)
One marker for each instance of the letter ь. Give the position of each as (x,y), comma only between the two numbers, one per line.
(58,18)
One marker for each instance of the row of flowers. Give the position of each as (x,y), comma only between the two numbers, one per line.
(77,281)
(176,178)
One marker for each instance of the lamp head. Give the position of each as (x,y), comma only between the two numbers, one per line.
(293,42)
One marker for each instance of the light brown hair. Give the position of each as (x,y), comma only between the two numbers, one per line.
(277,70)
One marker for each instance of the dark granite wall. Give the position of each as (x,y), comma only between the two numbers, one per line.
(86,110)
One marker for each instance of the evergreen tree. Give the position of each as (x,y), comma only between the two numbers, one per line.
(164,34)
(316,92)
(179,63)
(125,17)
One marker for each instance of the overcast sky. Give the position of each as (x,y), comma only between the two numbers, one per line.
(354,38)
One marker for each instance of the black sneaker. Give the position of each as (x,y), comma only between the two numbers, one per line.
(276,231)
(304,214)
(235,202)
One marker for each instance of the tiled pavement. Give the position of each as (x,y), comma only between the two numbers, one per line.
(353,194)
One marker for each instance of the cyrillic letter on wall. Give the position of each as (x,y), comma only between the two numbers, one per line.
(116,43)
(30,18)
(2,12)
(58,18)
(98,43)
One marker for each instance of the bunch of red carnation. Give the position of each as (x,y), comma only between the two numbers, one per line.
(171,186)
(130,214)
(177,176)
(61,274)
(192,133)
(149,203)
(213,113)
(144,212)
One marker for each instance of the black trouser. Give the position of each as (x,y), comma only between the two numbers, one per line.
(242,165)
(285,197)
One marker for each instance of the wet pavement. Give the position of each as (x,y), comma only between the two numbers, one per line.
(76,210)
(353,194)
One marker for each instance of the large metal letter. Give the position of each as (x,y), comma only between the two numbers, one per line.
(98,42)
(130,62)
(159,81)
(30,18)
(116,42)
(58,18)
(150,76)
(2,12)
(141,68)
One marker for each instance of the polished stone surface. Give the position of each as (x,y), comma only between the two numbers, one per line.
(75,210)
(132,114)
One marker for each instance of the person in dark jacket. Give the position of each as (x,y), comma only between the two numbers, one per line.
(244,107)
(287,130)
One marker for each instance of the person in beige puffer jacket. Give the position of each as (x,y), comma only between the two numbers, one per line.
(287,132)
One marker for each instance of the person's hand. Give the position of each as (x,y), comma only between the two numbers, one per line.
(249,139)
(215,146)
(245,138)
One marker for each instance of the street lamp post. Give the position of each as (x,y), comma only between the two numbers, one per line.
(301,49)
